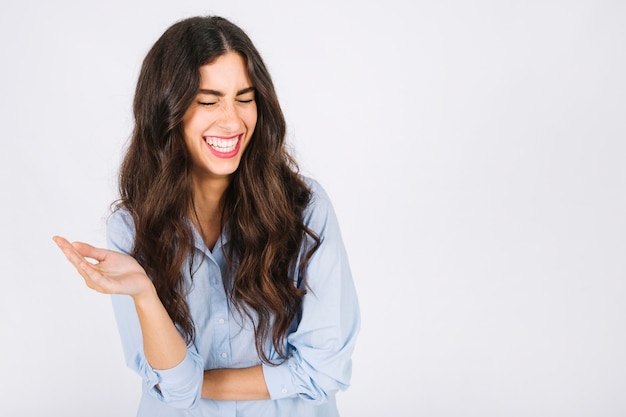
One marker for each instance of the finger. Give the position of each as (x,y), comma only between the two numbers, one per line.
(59,240)
(88,251)
(70,252)
(92,276)
(86,269)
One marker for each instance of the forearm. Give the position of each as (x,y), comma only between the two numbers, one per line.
(163,345)
(118,273)
(235,384)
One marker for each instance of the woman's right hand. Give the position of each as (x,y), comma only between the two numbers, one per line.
(114,272)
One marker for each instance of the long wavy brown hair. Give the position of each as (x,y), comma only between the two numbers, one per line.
(263,205)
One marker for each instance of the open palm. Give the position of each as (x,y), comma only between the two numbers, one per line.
(113,272)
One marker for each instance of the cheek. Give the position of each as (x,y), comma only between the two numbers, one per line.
(189,146)
(251,119)
(187,127)
(196,119)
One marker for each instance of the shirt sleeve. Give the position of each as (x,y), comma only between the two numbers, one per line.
(322,345)
(180,386)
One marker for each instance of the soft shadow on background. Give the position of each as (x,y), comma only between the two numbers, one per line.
(474,152)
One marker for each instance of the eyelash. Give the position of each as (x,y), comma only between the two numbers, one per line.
(203,103)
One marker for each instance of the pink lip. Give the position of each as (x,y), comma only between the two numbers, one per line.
(226,155)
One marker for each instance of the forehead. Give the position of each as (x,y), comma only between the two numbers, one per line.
(228,70)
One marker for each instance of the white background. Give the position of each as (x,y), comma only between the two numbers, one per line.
(475,154)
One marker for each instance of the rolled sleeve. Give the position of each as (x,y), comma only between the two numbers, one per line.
(321,347)
(278,381)
(180,386)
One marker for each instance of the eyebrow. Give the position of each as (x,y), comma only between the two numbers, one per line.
(220,94)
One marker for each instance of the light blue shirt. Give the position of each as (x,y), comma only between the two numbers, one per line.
(322,344)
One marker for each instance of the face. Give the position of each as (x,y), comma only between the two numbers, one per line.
(219,124)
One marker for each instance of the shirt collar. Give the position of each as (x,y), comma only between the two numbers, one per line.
(199,244)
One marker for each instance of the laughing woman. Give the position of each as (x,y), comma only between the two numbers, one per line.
(231,286)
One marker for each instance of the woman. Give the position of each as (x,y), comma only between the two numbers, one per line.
(230,282)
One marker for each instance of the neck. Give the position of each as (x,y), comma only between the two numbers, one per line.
(208,200)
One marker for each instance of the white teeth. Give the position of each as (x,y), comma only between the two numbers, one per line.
(222,145)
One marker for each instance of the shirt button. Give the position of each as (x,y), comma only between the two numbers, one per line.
(221,321)
(224,355)
(284,390)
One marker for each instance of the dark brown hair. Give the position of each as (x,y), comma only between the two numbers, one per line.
(264,203)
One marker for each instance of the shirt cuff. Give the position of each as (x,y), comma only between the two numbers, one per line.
(180,384)
(278,381)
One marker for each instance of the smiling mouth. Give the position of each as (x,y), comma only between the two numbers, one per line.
(222,145)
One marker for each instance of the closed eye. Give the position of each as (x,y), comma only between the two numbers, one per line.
(207,103)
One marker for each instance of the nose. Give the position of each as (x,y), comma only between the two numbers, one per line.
(229,119)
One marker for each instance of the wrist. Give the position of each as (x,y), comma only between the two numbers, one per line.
(147,295)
